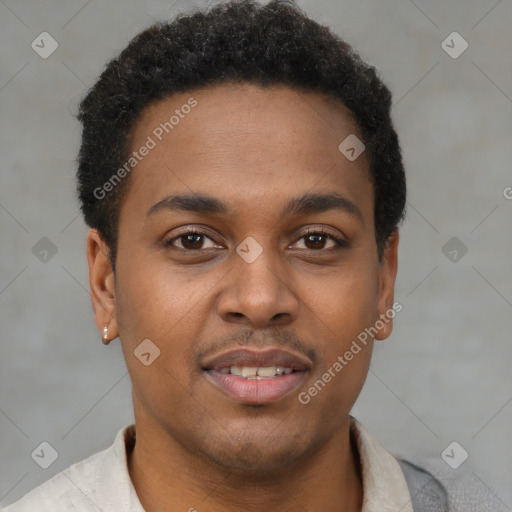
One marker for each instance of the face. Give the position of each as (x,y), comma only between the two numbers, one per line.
(253,268)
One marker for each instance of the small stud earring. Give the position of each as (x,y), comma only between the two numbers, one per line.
(105,335)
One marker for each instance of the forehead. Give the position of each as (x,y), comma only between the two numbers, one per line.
(243,142)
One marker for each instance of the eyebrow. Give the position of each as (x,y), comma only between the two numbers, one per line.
(302,205)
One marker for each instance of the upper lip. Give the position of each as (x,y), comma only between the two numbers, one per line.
(258,358)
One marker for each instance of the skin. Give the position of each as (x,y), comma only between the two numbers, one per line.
(254,149)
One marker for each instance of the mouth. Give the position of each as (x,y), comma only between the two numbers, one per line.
(257,377)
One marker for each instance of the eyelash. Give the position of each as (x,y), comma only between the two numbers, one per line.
(340,243)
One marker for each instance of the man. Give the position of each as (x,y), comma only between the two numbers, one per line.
(244,186)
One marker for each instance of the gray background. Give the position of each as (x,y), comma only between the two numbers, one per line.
(443,376)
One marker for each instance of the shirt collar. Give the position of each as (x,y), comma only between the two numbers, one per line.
(384,485)
(113,479)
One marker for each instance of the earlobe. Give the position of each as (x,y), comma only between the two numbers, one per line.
(101,284)
(387,276)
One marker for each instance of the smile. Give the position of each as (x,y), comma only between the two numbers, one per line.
(251,376)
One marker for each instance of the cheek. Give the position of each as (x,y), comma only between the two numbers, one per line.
(155,309)
(346,301)
(155,301)
(346,306)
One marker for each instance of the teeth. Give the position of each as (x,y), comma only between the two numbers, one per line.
(253,372)
(267,371)
(249,371)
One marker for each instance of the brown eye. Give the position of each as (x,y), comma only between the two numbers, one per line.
(315,241)
(318,240)
(189,241)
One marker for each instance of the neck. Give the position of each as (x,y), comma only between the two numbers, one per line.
(166,476)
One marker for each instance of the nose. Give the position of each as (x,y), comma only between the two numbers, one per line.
(258,294)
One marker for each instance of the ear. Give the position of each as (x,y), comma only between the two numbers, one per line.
(387,275)
(101,283)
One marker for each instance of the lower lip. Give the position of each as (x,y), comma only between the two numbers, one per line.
(254,391)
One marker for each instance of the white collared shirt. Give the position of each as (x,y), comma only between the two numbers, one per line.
(101,482)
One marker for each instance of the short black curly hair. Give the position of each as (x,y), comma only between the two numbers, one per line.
(235,41)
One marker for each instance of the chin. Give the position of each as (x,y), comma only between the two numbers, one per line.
(252,460)
(257,456)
